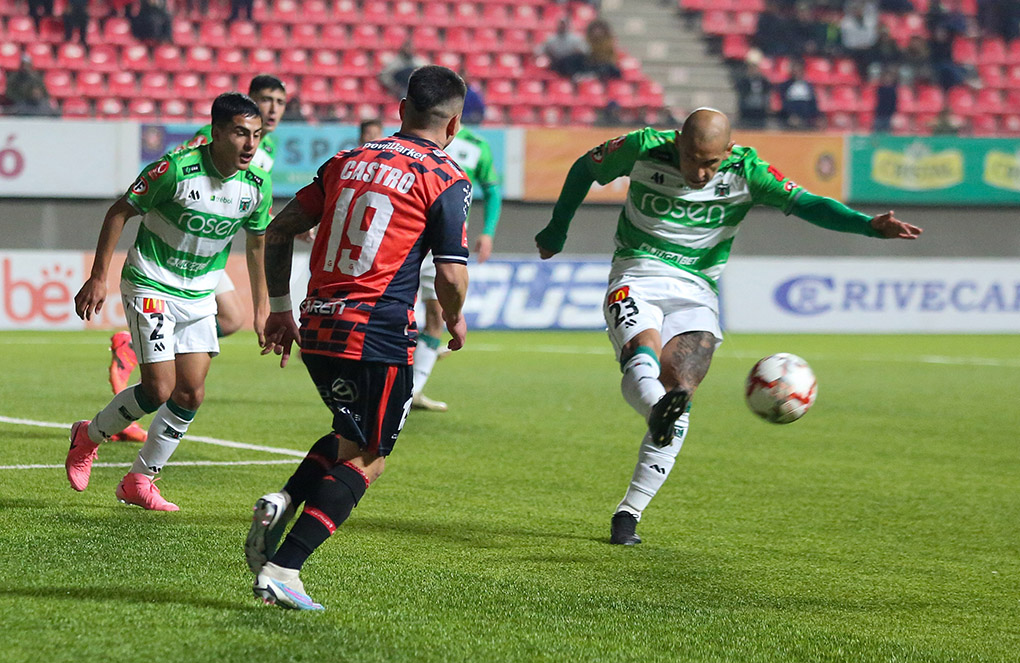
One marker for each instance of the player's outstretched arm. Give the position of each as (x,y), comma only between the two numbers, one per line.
(550,240)
(281,331)
(255,255)
(92,295)
(889,227)
(451,289)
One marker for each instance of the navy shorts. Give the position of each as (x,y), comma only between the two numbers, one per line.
(369,400)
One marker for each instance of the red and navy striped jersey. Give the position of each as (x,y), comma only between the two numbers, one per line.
(381,208)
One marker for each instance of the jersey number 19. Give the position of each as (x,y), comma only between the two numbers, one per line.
(366,239)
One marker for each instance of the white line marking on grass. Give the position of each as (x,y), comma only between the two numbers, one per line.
(744,354)
(183,463)
(197,438)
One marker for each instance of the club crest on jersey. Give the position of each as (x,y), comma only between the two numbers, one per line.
(722,189)
(150,305)
(140,187)
(244,204)
(597,153)
(789,186)
(615,144)
(619,294)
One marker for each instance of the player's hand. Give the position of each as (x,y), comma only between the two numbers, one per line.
(457,325)
(545,253)
(889,227)
(280,333)
(90,298)
(483,247)
(259,323)
(308,235)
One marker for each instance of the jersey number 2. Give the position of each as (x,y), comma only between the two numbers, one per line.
(367,239)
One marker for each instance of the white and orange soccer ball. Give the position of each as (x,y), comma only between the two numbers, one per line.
(781,388)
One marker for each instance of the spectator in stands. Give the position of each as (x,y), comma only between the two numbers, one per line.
(945,15)
(474,103)
(151,22)
(917,66)
(774,34)
(567,51)
(897,6)
(999,17)
(808,35)
(799,100)
(884,54)
(859,32)
(201,5)
(21,81)
(886,99)
(602,58)
(238,7)
(38,104)
(947,72)
(119,7)
(945,123)
(395,75)
(76,17)
(40,9)
(753,93)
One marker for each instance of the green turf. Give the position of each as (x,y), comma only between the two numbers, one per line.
(884,526)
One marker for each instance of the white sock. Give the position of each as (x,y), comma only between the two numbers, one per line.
(653,466)
(640,383)
(129,405)
(425,355)
(165,432)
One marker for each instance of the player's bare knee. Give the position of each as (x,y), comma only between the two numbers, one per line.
(189,396)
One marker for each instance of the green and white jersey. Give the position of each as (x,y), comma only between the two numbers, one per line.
(666,226)
(474,156)
(190,215)
(265,154)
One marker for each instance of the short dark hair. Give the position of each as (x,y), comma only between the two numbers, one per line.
(434,95)
(229,104)
(265,82)
(370,122)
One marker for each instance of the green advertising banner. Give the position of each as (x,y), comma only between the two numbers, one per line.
(934,170)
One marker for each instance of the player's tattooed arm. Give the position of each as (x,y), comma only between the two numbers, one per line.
(290,222)
(688,357)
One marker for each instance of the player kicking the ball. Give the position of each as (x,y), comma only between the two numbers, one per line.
(689,191)
(381,208)
(193,202)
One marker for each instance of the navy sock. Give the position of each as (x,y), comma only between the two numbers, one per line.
(319,460)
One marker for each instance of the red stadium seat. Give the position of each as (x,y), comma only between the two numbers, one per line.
(288,11)
(650,93)
(275,35)
(846,99)
(478,65)
(560,92)
(583,115)
(984,125)
(818,71)
(135,58)
(776,70)
(201,110)
(102,58)
(316,11)
(155,85)
(167,57)
(450,60)
(10,56)
(316,90)
(840,121)
(522,115)
(218,83)
(199,58)
(174,110)
(231,61)
(182,32)
(334,35)
(466,14)
(844,72)
(507,65)
(356,63)
(188,86)
(516,40)
(123,84)
(461,39)
(436,14)
(1012,80)
(393,37)
(929,99)
(495,16)
(746,23)
(1013,52)
(591,92)
(21,30)
(375,12)
(212,33)
(1011,125)
(346,12)
(347,89)
(51,31)
(992,51)
(58,83)
(365,36)
(550,115)
(41,54)
(717,22)
(405,12)
(76,107)
(500,91)
(109,109)
(243,34)
(305,35)
(262,59)
(961,101)
(372,92)
(427,38)
(526,16)
(991,75)
(326,62)
(989,101)
(533,91)
(964,51)
(141,109)
(294,61)
(735,47)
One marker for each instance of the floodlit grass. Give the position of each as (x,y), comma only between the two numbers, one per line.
(884,526)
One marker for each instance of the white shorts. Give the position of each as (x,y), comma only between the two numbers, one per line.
(225,284)
(668,305)
(161,329)
(427,290)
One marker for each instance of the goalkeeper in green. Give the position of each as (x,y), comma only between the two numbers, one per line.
(689,190)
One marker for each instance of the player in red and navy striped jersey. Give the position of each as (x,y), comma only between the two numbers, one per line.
(380,209)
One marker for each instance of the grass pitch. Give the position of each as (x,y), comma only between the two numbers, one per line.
(884,526)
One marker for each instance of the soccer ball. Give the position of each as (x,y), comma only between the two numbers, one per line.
(781,388)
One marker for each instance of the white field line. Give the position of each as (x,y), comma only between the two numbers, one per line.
(184,463)
(196,438)
(728,354)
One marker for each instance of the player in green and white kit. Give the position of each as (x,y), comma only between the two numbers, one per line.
(474,156)
(689,191)
(193,202)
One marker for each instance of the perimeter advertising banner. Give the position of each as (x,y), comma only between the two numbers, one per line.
(302,148)
(38,289)
(815,161)
(934,170)
(871,295)
(66,159)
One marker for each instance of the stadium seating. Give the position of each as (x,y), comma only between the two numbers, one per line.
(330,51)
